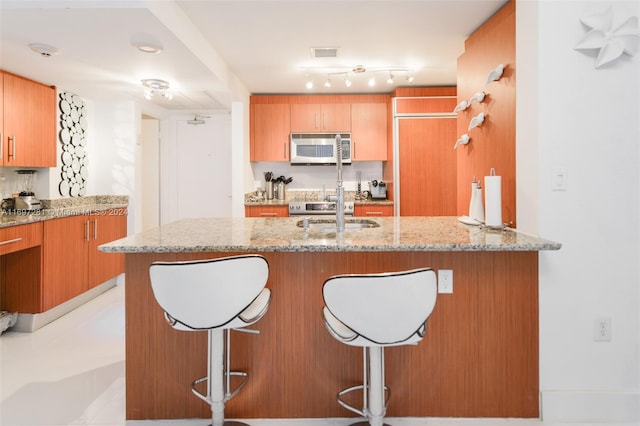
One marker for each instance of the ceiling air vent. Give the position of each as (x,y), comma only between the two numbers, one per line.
(324,52)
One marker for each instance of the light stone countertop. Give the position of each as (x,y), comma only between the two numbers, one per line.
(55,209)
(283,235)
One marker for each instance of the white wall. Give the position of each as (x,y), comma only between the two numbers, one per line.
(586,121)
(314,177)
(111,150)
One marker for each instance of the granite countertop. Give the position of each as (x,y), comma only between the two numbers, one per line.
(54,209)
(283,235)
(252,199)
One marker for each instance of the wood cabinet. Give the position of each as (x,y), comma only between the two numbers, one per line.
(270,128)
(28,123)
(20,268)
(71,261)
(321,117)
(109,226)
(369,132)
(427,164)
(373,210)
(266,211)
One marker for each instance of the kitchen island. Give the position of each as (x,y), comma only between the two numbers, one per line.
(478,359)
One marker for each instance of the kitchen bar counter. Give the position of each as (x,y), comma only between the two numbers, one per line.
(283,235)
(479,357)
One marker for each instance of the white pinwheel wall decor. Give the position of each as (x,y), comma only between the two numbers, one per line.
(610,43)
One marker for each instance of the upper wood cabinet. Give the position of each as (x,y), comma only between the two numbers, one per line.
(270,128)
(28,123)
(321,117)
(369,132)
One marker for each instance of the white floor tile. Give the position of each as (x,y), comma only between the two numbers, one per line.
(72,372)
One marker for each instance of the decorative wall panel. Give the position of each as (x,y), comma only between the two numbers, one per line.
(73,128)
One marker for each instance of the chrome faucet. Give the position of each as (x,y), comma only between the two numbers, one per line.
(339,188)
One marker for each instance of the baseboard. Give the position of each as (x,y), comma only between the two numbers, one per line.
(595,406)
(28,323)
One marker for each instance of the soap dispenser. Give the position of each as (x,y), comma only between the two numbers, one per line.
(474,198)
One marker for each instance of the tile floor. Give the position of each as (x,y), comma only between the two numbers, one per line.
(71,372)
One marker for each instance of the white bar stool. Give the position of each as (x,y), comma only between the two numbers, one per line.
(374,311)
(214,295)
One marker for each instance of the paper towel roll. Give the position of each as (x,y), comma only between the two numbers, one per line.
(493,200)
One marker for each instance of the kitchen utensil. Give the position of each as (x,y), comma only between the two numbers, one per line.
(268,176)
(269,189)
(280,189)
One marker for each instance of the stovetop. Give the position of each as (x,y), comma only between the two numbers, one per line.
(297,208)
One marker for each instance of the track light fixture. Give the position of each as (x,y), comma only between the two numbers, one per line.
(351,75)
(155,86)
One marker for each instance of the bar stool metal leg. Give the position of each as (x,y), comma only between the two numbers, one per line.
(219,377)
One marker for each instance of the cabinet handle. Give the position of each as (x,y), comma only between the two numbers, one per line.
(373,213)
(1,144)
(95,229)
(12,150)
(284,145)
(315,120)
(15,240)
(86,231)
(268,214)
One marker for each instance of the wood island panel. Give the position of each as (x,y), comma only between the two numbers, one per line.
(478,359)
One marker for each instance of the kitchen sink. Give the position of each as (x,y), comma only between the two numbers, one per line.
(330,224)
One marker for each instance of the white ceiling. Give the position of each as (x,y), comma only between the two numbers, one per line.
(218,51)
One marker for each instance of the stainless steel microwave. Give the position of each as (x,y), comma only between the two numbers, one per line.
(319,148)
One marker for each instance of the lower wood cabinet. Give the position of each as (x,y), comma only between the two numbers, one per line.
(373,210)
(20,268)
(266,211)
(72,263)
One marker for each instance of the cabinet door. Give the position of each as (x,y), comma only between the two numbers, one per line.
(335,117)
(105,227)
(369,132)
(65,259)
(270,132)
(320,118)
(427,167)
(29,123)
(305,118)
(371,210)
(266,211)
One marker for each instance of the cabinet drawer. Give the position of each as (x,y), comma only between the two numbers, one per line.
(385,210)
(16,238)
(266,211)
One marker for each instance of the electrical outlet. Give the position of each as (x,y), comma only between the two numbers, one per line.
(445,281)
(602,329)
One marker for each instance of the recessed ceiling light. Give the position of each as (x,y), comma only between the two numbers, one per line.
(148,47)
(44,49)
